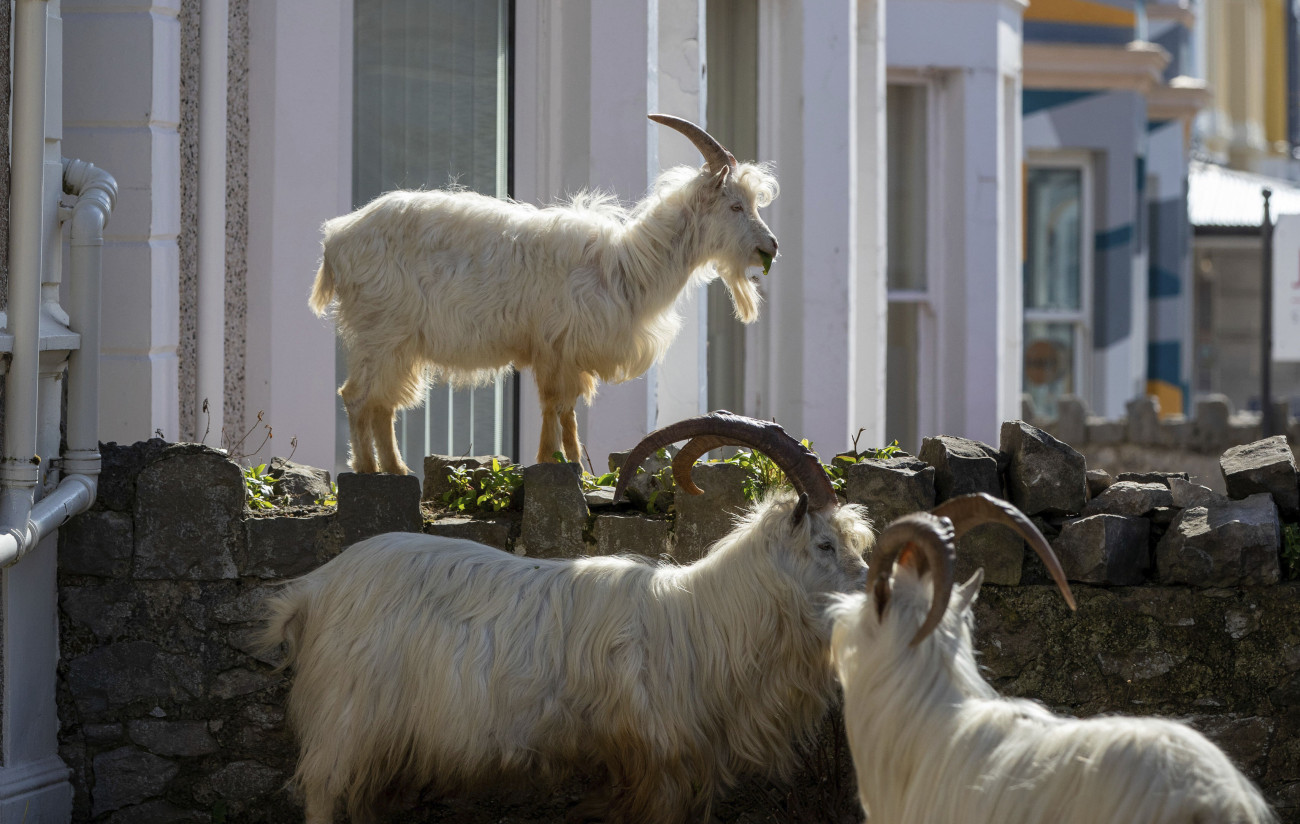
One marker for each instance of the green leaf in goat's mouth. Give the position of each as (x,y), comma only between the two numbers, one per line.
(767,261)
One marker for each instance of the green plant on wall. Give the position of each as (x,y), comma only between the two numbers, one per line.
(259,487)
(1291,551)
(485,489)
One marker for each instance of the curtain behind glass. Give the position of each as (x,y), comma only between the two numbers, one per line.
(431,109)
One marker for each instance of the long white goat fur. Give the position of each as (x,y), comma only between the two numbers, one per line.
(436,660)
(933,742)
(457,286)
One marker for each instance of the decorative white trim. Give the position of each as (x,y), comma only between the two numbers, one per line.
(1183,98)
(34,776)
(1136,66)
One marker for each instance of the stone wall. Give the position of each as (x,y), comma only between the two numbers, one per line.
(1143,441)
(170,715)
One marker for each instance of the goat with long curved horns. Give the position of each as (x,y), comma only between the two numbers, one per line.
(457,286)
(423,660)
(933,743)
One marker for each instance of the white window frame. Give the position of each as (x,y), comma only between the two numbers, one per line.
(930,300)
(1082,317)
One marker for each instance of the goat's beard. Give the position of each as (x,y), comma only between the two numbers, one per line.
(745,296)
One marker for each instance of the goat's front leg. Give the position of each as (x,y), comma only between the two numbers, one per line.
(569,424)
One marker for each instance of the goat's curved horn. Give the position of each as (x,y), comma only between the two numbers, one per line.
(934,537)
(716,157)
(722,428)
(969,511)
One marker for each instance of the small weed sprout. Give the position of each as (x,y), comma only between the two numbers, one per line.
(487,489)
(259,488)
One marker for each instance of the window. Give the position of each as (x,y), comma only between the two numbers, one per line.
(431,107)
(1057,266)
(910,321)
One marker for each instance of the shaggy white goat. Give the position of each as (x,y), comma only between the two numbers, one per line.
(933,743)
(457,286)
(427,661)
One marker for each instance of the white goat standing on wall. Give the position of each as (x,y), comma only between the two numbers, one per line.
(422,660)
(457,286)
(933,743)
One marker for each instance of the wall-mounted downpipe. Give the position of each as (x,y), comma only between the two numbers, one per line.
(210,368)
(22,528)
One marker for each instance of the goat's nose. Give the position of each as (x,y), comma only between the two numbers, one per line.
(775,246)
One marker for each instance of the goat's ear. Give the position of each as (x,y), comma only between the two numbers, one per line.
(720,177)
(965,594)
(800,510)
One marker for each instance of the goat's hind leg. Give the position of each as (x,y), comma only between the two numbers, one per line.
(359,434)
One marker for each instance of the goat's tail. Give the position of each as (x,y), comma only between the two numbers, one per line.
(322,291)
(286,615)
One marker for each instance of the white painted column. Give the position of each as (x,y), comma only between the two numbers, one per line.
(299,176)
(121,61)
(871,308)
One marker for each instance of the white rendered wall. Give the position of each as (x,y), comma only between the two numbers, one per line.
(122,112)
(817,356)
(586,76)
(299,176)
(969,50)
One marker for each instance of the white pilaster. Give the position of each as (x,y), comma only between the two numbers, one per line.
(123,115)
(299,162)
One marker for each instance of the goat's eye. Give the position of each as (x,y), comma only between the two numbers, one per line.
(736,207)
(826,546)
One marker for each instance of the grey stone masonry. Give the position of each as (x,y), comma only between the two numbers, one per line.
(555,511)
(890,488)
(1232,544)
(632,535)
(375,504)
(280,547)
(703,519)
(994,548)
(1130,499)
(1043,474)
(1071,419)
(961,466)
(1212,425)
(1105,549)
(1264,466)
(490,532)
(1186,494)
(188,505)
(302,485)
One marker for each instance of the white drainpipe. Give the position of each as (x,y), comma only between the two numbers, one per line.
(22,524)
(211,367)
(19,470)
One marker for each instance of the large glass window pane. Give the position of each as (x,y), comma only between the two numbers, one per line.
(1053,266)
(906,140)
(431,108)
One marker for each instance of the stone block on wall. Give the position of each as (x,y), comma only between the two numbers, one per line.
(1104,549)
(1130,499)
(1268,466)
(652,479)
(287,547)
(890,488)
(1211,426)
(302,485)
(632,535)
(1143,420)
(493,533)
(1043,474)
(555,511)
(98,542)
(703,519)
(372,504)
(188,512)
(1098,481)
(1233,544)
(1071,420)
(961,466)
(996,549)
